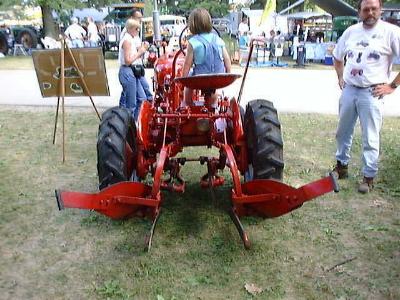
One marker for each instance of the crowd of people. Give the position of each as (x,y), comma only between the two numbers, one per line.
(78,37)
(274,39)
(272,42)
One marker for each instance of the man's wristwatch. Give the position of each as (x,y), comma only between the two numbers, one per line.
(394,85)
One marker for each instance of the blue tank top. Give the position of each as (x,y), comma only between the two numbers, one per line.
(207,53)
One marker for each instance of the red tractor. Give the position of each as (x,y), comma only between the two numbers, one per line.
(249,142)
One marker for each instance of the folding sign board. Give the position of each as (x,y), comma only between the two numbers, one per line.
(90,62)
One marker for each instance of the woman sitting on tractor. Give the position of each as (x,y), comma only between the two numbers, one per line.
(206,52)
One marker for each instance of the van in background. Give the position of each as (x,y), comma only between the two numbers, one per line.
(170,26)
(222,25)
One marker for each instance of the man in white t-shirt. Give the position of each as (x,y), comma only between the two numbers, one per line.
(93,34)
(75,33)
(370,48)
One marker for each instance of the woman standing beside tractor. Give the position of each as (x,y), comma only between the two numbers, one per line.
(129,73)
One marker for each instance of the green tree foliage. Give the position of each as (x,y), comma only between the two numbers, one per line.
(178,7)
(184,7)
(59,6)
(282,4)
(355,2)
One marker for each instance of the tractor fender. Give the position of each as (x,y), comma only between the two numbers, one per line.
(237,121)
(143,125)
(238,136)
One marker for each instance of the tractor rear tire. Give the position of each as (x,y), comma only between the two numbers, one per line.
(3,44)
(28,38)
(117,132)
(264,140)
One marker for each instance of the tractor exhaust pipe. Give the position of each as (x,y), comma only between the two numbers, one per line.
(245,71)
(156,25)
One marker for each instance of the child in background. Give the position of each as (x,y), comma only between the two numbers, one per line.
(206,51)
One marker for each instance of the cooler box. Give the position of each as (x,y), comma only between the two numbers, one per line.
(329,60)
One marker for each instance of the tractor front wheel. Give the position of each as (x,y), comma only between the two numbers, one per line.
(264,141)
(116,147)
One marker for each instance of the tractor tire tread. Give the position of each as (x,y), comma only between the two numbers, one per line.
(264,140)
(114,131)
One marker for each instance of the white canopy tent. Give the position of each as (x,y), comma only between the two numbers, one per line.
(275,22)
(334,7)
(308,15)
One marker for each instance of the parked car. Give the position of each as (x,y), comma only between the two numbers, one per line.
(222,25)
(391,17)
(391,12)
(170,26)
(119,14)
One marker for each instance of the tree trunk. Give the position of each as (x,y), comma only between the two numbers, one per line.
(49,26)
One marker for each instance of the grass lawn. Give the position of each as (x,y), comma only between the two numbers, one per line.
(196,252)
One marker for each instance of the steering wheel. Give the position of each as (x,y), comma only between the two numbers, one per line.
(181,35)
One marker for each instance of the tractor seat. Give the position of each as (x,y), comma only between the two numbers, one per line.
(208,81)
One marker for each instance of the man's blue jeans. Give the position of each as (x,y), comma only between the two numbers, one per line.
(77,43)
(93,44)
(132,94)
(359,103)
(146,88)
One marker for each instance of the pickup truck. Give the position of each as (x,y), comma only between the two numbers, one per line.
(115,22)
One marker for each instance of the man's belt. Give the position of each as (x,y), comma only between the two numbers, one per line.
(364,87)
(132,65)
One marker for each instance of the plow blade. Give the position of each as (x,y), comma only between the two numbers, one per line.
(118,201)
(269,198)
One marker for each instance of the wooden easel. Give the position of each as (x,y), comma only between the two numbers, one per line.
(61,95)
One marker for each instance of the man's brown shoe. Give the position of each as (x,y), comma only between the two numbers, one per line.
(366,185)
(340,171)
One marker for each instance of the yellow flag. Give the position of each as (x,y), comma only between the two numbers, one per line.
(270,7)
